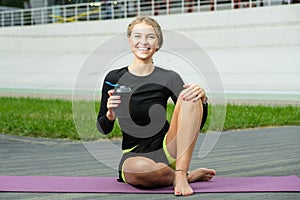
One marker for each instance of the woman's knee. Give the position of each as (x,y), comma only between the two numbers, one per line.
(151,179)
(142,172)
(132,169)
(190,105)
(136,165)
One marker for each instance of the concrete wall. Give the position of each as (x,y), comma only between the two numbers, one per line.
(264,26)
(256,51)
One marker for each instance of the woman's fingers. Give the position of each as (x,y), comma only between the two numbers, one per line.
(192,92)
(110,92)
(113,101)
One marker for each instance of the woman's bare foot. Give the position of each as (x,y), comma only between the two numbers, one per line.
(201,174)
(181,185)
(182,180)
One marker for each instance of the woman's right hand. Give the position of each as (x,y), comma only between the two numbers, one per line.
(112,102)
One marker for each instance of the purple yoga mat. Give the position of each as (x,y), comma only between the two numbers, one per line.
(59,184)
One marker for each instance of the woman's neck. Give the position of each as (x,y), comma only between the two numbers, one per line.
(139,68)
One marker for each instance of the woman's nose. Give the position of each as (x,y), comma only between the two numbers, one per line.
(143,40)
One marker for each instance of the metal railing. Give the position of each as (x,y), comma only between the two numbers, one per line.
(122,9)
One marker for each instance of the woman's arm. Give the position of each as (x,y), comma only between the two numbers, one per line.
(205,113)
(104,124)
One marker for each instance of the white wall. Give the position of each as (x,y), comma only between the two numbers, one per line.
(264,26)
(256,51)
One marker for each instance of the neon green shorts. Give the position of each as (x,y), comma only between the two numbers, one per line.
(157,157)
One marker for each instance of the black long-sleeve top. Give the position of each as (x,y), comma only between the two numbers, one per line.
(148,92)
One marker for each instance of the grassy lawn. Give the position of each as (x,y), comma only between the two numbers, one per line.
(57,118)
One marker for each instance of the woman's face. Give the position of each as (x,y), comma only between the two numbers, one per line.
(143,41)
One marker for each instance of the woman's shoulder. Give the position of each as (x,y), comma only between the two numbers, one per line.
(115,74)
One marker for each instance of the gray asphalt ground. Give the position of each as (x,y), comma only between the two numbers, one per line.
(255,152)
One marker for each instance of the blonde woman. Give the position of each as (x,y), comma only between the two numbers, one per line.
(160,154)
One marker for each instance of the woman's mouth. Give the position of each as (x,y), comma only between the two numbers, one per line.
(143,49)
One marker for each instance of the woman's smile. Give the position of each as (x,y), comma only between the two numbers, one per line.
(143,41)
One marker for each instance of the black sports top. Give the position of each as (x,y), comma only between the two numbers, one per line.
(147,105)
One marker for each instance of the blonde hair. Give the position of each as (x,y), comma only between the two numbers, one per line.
(149,21)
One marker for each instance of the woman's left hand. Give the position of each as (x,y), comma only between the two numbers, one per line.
(193,93)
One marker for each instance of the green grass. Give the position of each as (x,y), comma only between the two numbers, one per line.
(246,116)
(58,119)
(37,118)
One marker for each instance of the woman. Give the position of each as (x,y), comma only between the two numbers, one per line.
(154,155)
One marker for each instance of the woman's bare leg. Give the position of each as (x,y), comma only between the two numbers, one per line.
(181,139)
(141,171)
